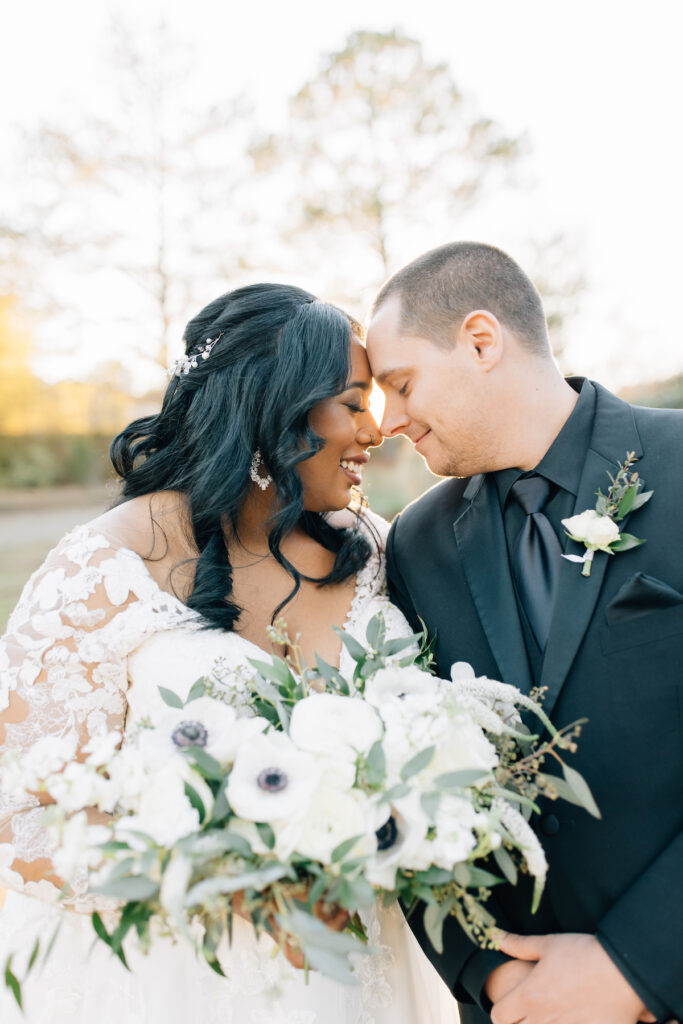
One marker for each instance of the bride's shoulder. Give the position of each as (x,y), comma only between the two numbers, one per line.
(153,526)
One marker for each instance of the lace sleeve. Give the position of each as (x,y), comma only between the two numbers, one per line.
(63,674)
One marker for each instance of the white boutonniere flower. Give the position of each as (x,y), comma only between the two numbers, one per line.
(597,527)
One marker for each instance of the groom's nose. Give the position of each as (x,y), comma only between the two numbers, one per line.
(394,421)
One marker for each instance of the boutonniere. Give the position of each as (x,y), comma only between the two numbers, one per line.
(597,527)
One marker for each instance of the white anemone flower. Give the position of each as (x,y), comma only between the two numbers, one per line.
(399,682)
(335,726)
(205,723)
(271,780)
(401,842)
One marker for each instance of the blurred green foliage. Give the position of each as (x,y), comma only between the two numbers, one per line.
(52,460)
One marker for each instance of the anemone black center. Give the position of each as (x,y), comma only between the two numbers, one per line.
(272,780)
(190,734)
(387,835)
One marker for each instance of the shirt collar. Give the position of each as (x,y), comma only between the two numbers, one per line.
(563,462)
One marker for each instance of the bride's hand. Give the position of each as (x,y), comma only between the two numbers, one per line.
(331,914)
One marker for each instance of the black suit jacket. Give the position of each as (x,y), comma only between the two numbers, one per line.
(615,656)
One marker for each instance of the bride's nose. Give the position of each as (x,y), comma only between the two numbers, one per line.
(369,434)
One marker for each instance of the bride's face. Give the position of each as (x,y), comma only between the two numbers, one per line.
(347,427)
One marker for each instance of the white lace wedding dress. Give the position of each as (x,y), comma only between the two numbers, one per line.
(90,641)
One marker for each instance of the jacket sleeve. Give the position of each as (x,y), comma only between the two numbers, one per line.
(398,591)
(643,933)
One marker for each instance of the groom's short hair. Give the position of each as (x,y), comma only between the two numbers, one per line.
(438,289)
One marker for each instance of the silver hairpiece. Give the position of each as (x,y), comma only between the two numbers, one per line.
(181,367)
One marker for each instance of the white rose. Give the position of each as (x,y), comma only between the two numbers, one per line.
(101,747)
(455,838)
(335,726)
(271,779)
(596,531)
(164,811)
(78,845)
(77,787)
(333,817)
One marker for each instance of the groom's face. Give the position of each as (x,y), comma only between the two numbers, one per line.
(435,395)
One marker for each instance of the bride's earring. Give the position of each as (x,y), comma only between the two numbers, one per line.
(263,481)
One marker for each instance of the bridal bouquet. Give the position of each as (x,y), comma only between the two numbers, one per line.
(322,793)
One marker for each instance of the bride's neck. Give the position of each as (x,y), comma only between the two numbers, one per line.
(253,524)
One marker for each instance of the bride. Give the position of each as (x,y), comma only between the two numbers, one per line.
(234,512)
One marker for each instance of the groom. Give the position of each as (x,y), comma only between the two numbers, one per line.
(458,342)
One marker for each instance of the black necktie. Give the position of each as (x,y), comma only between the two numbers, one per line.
(537,556)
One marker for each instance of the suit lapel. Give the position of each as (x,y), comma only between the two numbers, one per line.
(482,548)
(614,434)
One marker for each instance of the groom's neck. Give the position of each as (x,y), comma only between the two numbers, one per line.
(539,407)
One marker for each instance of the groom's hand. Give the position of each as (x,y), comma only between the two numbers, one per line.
(572,981)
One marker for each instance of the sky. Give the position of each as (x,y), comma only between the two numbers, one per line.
(595,85)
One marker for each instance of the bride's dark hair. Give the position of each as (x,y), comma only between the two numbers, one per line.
(280,351)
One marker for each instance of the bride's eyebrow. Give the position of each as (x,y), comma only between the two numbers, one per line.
(364,385)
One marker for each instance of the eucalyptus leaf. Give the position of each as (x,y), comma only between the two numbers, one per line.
(221,807)
(371,666)
(375,764)
(417,763)
(627,501)
(207,765)
(396,792)
(434,876)
(170,698)
(277,671)
(430,805)
(197,690)
(478,876)
(135,887)
(626,542)
(330,674)
(266,834)
(433,919)
(461,779)
(195,799)
(581,789)
(363,894)
(506,864)
(564,790)
(258,879)
(374,634)
(342,849)
(641,500)
(357,652)
(398,644)
(316,891)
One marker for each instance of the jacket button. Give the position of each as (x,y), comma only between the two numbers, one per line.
(550,826)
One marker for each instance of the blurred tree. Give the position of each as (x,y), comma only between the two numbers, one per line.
(19,389)
(379,143)
(146,186)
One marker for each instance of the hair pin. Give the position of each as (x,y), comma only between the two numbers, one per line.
(181,367)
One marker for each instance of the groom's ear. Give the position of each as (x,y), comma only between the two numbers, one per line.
(481,337)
